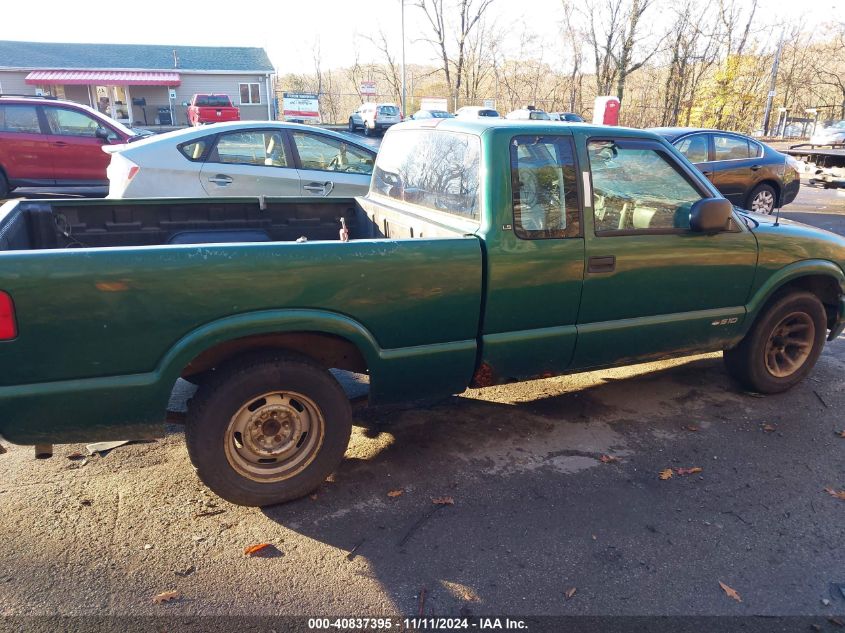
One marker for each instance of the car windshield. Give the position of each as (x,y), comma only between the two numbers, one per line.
(388,110)
(839,125)
(111,121)
(213,101)
(492,113)
(539,116)
(440,114)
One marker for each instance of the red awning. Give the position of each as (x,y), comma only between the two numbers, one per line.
(102,77)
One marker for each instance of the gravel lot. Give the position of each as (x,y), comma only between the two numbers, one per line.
(536,512)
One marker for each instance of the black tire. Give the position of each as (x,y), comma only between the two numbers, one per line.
(351,125)
(750,362)
(764,196)
(4,186)
(229,397)
(367,131)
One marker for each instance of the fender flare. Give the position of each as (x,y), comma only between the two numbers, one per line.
(790,273)
(264,322)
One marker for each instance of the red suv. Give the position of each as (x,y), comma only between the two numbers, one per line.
(47,142)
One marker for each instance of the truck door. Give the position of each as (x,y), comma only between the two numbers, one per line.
(535,257)
(652,286)
(250,163)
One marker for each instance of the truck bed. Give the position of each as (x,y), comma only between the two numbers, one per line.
(39,225)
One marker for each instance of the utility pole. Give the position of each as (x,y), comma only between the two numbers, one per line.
(402,3)
(772,85)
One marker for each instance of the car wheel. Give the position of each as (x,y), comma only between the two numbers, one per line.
(351,125)
(367,130)
(4,186)
(267,428)
(782,346)
(762,199)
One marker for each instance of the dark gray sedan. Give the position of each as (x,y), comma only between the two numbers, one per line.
(750,174)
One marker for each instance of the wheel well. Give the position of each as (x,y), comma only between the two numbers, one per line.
(328,350)
(824,287)
(774,184)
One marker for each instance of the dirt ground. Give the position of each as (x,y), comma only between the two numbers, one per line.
(536,512)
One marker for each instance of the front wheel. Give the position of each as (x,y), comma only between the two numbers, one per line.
(783,345)
(367,130)
(4,186)
(351,125)
(762,199)
(267,429)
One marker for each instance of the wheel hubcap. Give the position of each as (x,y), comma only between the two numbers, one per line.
(274,436)
(763,202)
(790,344)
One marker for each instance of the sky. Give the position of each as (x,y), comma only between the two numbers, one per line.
(289,30)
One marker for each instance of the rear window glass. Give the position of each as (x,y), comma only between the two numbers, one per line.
(432,169)
(389,110)
(19,118)
(492,113)
(213,101)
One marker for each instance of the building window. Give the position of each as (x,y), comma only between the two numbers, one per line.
(250,94)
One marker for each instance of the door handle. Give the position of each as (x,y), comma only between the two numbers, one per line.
(322,188)
(707,174)
(221,180)
(755,167)
(602,264)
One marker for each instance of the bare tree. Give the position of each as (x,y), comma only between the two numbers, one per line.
(389,69)
(451,47)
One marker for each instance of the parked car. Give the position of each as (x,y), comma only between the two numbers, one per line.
(374,117)
(624,255)
(211,108)
(831,134)
(431,114)
(749,173)
(477,112)
(528,114)
(568,117)
(241,159)
(47,142)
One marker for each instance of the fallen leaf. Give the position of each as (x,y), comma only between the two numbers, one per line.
(167,596)
(665,474)
(841,433)
(691,428)
(731,593)
(3,448)
(836,621)
(768,428)
(313,497)
(839,494)
(443,501)
(608,459)
(570,592)
(254,549)
(395,493)
(687,471)
(75,456)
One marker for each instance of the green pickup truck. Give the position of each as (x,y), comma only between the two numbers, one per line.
(485,252)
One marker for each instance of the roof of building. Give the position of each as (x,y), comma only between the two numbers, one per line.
(49,55)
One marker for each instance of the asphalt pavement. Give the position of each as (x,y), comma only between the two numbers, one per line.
(558,507)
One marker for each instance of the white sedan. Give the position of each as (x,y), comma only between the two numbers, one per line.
(241,158)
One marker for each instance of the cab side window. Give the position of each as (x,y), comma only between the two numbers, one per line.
(543,182)
(264,149)
(323,153)
(730,147)
(638,188)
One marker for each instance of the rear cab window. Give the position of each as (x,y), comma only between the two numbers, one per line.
(213,101)
(432,169)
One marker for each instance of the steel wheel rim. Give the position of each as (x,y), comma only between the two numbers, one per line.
(763,202)
(274,436)
(790,344)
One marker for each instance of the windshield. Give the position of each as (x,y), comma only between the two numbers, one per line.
(491,113)
(115,124)
(539,116)
(839,125)
(213,101)
(441,114)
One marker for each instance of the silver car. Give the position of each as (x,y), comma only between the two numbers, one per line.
(241,158)
(831,134)
(374,117)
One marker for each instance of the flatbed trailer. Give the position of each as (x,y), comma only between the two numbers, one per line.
(825,164)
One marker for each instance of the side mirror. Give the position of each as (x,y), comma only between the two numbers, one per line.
(102,133)
(710,215)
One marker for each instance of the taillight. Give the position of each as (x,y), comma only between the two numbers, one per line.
(8,328)
(132,171)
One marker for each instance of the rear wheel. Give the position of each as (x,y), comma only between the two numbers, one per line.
(4,186)
(267,429)
(367,130)
(783,345)
(762,199)
(351,125)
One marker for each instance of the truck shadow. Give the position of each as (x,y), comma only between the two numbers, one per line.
(513,460)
